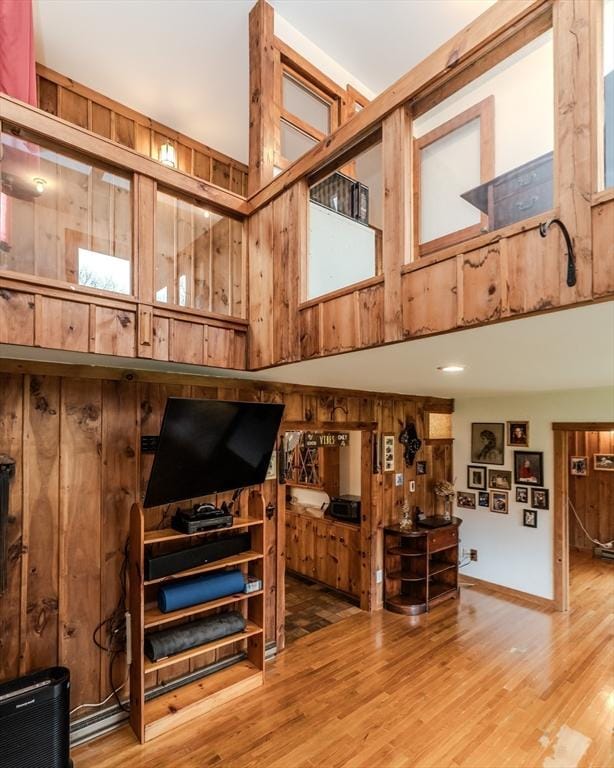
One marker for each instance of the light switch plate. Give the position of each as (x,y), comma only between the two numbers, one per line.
(398,478)
(412,486)
(379,576)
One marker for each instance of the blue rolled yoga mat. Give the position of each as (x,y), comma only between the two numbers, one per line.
(200,589)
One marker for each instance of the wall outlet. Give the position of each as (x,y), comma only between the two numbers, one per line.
(398,478)
(412,486)
(379,576)
(473,554)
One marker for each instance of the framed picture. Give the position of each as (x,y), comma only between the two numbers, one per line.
(604,461)
(483,499)
(476,477)
(578,466)
(388,441)
(522,495)
(421,467)
(498,502)
(518,434)
(500,479)
(465,500)
(487,443)
(271,473)
(540,498)
(529,518)
(528,467)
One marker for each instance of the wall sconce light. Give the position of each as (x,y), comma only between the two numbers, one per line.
(167,155)
(39,185)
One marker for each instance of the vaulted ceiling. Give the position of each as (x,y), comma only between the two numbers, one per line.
(185,62)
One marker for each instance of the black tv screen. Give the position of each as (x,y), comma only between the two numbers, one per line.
(210,446)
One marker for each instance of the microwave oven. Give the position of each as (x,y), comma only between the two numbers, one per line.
(346,508)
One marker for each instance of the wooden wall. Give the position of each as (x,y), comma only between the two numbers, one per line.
(593,495)
(76,440)
(82,106)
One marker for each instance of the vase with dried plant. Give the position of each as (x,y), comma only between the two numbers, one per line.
(445,490)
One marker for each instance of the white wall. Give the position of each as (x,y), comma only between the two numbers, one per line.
(341,251)
(316,56)
(349,467)
(508,553)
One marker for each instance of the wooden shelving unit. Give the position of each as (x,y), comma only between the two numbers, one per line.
(421,567)
(150,717)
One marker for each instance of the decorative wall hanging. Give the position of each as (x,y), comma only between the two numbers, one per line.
(528,467)
(518,434)
(500,479)
(476,478)
(487,443)
(409,438)
(388,441)
(529,518)
(578,466)
(604,461)
(540,498)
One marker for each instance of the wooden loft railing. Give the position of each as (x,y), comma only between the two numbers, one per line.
(38,309)
(495,276)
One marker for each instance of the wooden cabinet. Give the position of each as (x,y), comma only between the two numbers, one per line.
(421,567)
(151,716)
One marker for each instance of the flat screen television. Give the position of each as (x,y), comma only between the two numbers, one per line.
(211,446)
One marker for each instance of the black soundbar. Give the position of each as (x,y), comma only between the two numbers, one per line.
(158,566)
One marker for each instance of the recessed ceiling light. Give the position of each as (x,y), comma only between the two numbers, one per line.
(451,368)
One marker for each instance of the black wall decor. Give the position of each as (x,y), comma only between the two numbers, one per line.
(409,438)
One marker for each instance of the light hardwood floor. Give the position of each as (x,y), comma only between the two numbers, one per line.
(481,682)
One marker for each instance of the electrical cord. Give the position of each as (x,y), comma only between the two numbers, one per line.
(607,545)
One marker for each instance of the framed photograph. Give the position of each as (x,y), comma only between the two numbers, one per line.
(522,495)
(465,499)
(528,467)
(604,461)
(487,443)
(421,467)
(476,477)
(578,466)
(498,502)
(529,518)
(271,473)
(500,479)
(483,499)
(518,434)
(540,498)
(388,441)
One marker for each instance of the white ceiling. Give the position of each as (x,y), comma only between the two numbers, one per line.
(185,62)
(570,349)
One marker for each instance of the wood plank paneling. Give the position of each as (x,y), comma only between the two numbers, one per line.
(261,289)
(16,317)
(534,266)
(186,342)
(482,288)
(113,332)
(339,325)
(62,325)
(430,299)
(371,323)
(603,248)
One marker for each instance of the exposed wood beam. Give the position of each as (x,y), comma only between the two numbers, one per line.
(459,52)
(262,54)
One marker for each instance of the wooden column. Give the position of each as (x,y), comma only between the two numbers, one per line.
(572,141)
(261,96)
(396,138)
(560,522)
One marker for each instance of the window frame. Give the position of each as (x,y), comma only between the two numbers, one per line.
(483,111)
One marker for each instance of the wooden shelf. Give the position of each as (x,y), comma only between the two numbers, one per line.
(398,575)
(242,557)
(440,590)
(158,536)
(154,616)
(440,568)
(406,604)
(443,549)
(399,551)
(250,630)
(171,709)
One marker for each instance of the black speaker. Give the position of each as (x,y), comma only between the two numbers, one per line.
(35,720)
(159,566)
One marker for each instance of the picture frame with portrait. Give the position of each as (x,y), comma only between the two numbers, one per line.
(421,467)
(529,518)
(488,443)
(578,466)
(540,498)
(518,434)
(465,500)
(528,467)
(500,479)
(499,502)
(476,477)
(522,494)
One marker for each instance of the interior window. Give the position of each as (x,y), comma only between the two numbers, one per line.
(301,102)
(294,143)
(608,91)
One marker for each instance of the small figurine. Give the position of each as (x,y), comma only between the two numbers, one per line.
(406,523)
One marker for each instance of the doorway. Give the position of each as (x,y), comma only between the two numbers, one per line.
(327,510)
(583,512)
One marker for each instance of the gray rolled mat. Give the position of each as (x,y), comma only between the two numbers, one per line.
(168,642)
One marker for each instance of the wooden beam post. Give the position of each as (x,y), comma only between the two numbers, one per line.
(396,150)
(572,140)
(261,96)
